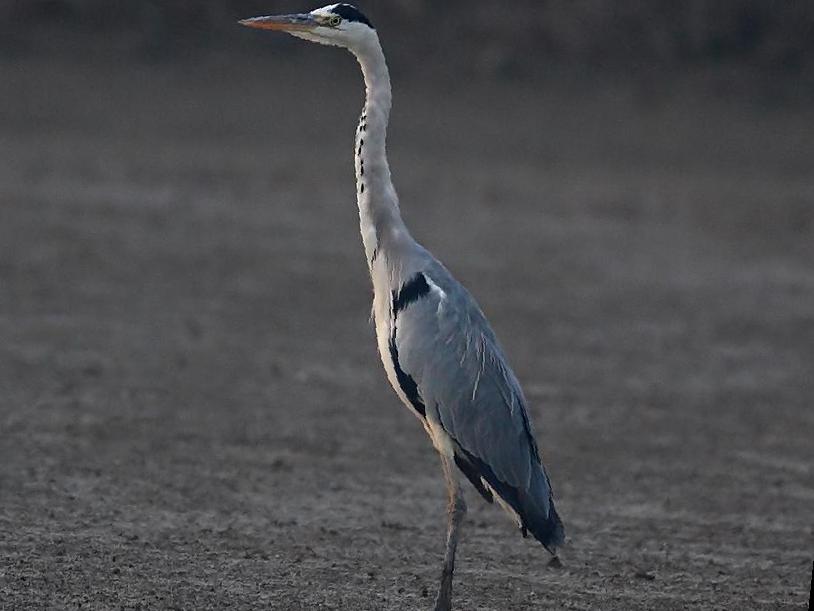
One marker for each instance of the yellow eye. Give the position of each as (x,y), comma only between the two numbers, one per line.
(334,20)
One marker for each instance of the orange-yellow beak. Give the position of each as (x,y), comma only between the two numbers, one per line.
(283,23)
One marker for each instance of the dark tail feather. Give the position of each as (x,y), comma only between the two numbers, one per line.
(547,529)
(538,513)
(535,506)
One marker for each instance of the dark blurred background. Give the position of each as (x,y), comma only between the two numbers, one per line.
(523,37)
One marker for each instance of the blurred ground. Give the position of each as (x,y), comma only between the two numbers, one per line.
(193,415)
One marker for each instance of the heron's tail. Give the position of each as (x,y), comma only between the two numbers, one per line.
(532,506)
(549,531)
(538,515)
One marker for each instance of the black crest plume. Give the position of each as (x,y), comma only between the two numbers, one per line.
(349,12)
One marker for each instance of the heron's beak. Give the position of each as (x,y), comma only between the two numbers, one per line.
(284,23)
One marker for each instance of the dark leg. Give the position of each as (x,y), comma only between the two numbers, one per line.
(456,510)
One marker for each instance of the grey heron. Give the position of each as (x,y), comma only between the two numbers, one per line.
(438,350)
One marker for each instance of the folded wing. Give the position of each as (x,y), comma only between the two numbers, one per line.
(445,345)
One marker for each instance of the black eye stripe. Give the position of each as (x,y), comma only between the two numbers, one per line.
(349,12)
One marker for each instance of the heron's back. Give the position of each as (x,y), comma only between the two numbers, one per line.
(445,362)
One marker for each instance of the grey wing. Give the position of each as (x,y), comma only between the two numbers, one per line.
(445,344)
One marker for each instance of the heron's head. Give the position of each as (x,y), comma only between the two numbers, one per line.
(341,25)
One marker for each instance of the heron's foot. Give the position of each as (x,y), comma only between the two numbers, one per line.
(443,602)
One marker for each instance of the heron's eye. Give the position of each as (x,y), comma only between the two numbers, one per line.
(334,20)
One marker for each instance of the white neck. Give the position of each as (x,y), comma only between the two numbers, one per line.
(379,218)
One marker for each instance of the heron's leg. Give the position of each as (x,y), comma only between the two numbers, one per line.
(456,510)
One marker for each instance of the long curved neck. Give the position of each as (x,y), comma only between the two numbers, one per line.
(379,218)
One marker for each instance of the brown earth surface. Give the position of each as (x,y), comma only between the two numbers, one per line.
(192,411)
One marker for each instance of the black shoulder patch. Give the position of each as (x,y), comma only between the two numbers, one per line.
(412,290)
(351,13)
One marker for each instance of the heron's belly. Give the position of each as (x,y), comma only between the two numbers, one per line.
(384,333)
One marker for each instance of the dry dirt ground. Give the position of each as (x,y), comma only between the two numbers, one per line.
(192,411)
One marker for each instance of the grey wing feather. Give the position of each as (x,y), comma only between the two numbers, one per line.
(446,345)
